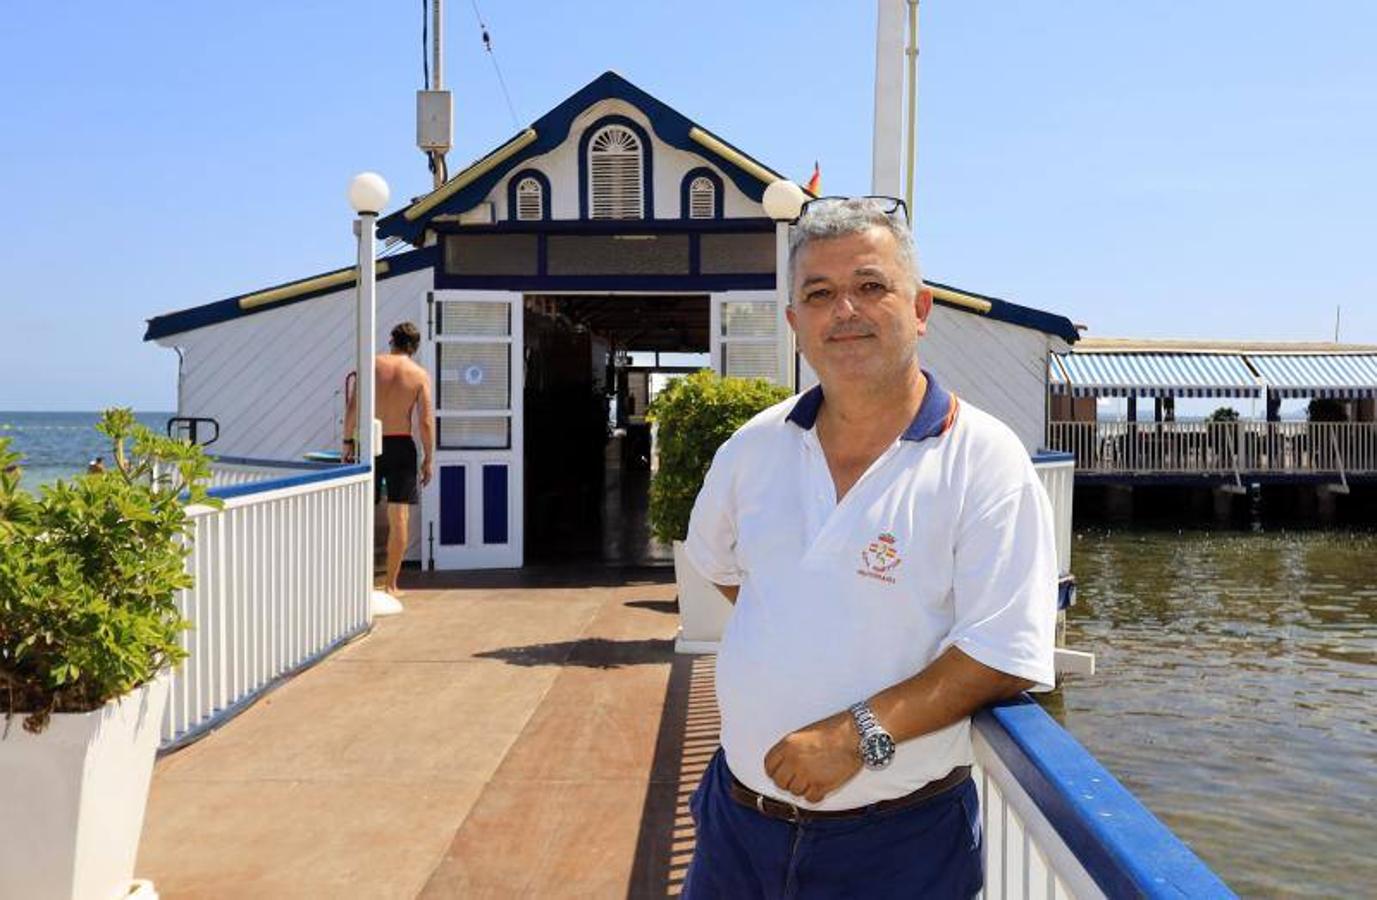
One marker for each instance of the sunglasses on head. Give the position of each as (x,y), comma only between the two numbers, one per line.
(887,205)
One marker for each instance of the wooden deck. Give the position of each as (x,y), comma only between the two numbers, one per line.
(509,735)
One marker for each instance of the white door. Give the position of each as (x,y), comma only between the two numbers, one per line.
(744,335)
(473,505)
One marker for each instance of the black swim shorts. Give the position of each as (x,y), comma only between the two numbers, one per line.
(396,470)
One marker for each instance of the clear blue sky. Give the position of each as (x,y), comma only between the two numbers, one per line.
(1185,169)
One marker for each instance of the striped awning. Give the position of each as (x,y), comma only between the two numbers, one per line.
(1154,375)
(1344,376)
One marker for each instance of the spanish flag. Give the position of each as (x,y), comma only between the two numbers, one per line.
(814,185)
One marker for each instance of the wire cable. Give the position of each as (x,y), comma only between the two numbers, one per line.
(425,46)
(487,45)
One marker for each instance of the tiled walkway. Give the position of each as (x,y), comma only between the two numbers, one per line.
(519,736)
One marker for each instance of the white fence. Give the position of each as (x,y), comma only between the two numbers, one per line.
(1057,824)
(1058,474)
(282,576)
(1296,448)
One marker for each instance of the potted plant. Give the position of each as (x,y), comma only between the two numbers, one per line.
(89,570)
(693,416)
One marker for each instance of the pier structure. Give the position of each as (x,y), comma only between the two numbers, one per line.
(1334,445)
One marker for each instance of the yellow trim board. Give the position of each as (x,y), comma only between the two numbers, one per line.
(956,299)
(469,175)
(296,289)
(736,157)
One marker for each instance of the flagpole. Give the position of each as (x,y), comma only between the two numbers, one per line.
(911,157)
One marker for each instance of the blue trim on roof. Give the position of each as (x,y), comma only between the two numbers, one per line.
(553,128)
(689,177)
(930,421)
(225,310)
(689,283)
(277,484)
(758,225)
(1014,314)
(647,163)
(517,178)
(1123,846)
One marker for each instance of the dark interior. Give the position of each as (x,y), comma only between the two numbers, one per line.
(587,444)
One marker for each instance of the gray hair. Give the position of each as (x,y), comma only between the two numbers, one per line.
(841,217)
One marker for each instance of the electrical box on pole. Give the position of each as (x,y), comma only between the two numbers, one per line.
(434,121)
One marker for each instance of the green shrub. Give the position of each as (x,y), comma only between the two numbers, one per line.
(1326,409)
(89,570)
(695,415)
(1223,414)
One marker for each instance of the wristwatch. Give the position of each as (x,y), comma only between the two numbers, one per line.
(877,747)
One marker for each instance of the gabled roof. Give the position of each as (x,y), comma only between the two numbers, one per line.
(469,186)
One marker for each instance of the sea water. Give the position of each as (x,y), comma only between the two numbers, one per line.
(57,445)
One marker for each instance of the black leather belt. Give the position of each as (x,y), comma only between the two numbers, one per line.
(780,809)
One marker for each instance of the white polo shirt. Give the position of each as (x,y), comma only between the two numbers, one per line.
(946,539)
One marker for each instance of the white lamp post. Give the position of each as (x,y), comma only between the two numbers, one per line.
(368,195)
(782,201)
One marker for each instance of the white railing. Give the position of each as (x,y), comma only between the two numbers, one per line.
(232,471)
(1058,474)
(281,577)
(1057,824)
(1218,448)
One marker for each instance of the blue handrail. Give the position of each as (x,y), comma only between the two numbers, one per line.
(1123,846)
(329,473)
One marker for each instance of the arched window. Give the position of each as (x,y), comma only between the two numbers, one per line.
(530,200)
(615,166)
(702,198)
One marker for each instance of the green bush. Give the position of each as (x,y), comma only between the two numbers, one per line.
(89,570)
(1223,414)
(695,415)
(1326,409)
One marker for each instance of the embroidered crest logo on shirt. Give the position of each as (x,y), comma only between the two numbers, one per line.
(880,557)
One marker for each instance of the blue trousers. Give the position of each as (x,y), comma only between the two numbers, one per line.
(932,850)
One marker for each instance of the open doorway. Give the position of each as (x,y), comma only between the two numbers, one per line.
(593,363)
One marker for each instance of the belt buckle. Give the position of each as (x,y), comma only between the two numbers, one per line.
(795,815)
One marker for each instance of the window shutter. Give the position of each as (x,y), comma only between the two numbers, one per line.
(529,200)
(614,175)
(702,198)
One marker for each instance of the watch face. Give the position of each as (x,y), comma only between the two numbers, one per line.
(878,750)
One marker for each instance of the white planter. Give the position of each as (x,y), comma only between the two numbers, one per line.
(74,799)
(703,611)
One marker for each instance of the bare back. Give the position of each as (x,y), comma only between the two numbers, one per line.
(401,384)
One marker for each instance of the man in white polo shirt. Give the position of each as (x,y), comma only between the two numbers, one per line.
(890,552)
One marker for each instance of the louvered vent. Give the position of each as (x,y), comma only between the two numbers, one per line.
(702,198)
(614,167)
(529,200)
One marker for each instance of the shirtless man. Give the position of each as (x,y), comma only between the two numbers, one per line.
(401,386)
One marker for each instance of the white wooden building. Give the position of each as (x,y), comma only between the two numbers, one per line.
(612,224)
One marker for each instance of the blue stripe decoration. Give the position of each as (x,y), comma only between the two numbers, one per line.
(227,309)
(331,473)
(1343,376)
(1014,314)
(1156,375)
(452,499)
(495,504)
(1123,846)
